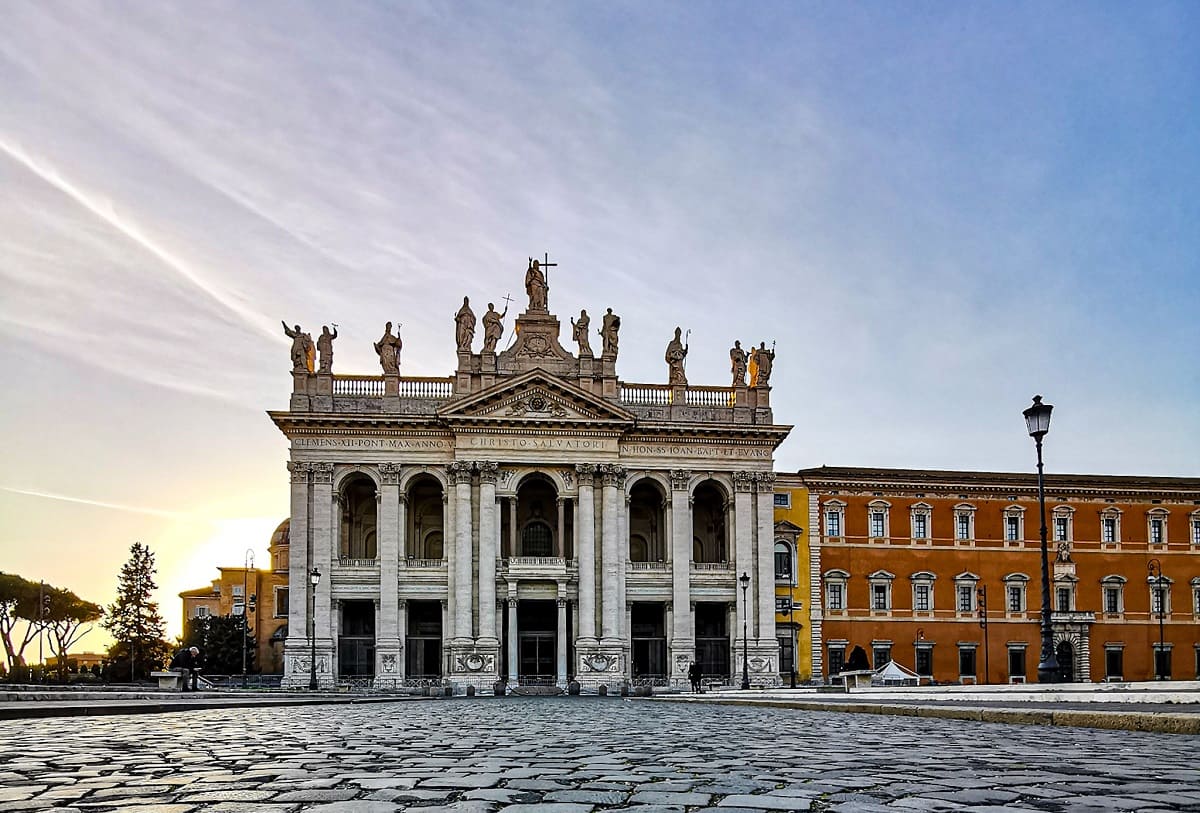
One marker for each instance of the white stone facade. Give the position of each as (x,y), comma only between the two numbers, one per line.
(531,520)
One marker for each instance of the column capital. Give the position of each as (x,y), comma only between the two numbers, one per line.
(743,481)
(403,499)
(322,472)
(679,479)
(488,471)
(512,602)
(460,472)
(613,475)
(587,474)
(766,480)
(389,473)
(561,603)
(299,471)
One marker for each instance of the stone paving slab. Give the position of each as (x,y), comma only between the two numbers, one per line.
(16,707)
(581,754)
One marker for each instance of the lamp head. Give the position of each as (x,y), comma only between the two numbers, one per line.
(745,580)
(314,577)
(1037,418)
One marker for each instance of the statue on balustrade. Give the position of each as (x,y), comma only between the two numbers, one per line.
(761,360)
(579,332)
(493,328)
(675,357)
(302,348)
(536,286)
(608,332)
(388,348)
(737,362)
(325,349)
(464,331)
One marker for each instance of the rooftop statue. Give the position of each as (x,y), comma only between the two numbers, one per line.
(493,328)
(464,330)
(761,360)
(675,356)
(536,286)
(608,332)
(737,363)
(388,348)
(325,348)
(579,332)
(302,348)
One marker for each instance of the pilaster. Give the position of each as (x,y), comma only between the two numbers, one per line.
(682,649)
(585,532)
(743,557)
(390,545)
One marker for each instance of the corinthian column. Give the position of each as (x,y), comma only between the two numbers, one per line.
(743,544)
(390,544)
(610,557)
(488,523)
(766,556)
(463,626)
(681,560)
(585,550)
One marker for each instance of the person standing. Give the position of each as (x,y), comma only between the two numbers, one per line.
(694,676)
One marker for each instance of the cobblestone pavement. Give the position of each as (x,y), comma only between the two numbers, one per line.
(563,755)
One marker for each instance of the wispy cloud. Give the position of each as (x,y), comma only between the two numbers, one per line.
(132,509)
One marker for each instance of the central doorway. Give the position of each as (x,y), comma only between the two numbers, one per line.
(537,629)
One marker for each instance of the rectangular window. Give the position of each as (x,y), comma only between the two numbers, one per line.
(1064,599)
(963,526)
(1112,599)
(882,653)
(281,602)
(836,596)
(966,598)
(1162,663)
(783,564)
(921,597)
(833,524)
(837,659)
(1015,599)
(877,524)
(925,661)
(238,591)
(879,597)
(1016,664)
(783,500)
(1156,532)
(1158,601)
(1060,529)
(1196,532)
(966,662)
(201,612)
(1196,601)
(1109,529)
(1012,528)
(1114,663)
(920,526)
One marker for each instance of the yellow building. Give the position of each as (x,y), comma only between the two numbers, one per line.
(793,580)
(268,611)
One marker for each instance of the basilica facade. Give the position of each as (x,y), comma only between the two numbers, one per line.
(531,519)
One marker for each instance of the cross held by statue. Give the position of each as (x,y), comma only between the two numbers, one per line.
(547,265)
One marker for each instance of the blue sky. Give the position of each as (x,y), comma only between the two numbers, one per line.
(935,209)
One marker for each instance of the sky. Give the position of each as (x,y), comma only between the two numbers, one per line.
(932,210)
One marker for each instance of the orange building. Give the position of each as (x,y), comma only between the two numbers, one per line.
(268,611)
(912,563)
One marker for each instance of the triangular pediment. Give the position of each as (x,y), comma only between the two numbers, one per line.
(535,396)
(785,527)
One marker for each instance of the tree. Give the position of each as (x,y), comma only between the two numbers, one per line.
(219,638)
(19,604)
(65,615)
(133,619)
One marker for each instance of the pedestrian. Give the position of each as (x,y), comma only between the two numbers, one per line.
(187,661)
(694,676)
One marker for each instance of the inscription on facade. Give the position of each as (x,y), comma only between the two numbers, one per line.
(359,444)
(682,450)
(533,444)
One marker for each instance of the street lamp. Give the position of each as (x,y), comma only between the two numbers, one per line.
(745,581)
(1037,420)
(314,578)
(249,563)
(1154,567)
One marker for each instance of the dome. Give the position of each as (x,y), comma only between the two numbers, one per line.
(279,538)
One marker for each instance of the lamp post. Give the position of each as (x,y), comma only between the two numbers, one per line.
(1037,421)
(249,563)
(745,581)
(314,578)
(1154,567)
(981,600)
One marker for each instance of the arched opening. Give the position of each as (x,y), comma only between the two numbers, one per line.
(709,544)
(426,519)
(647,521)
(783,562)
(359,518)
(537,517)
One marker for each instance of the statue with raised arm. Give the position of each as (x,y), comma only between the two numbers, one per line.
(610,326)
(464,330)
(302,348)
(493,328)
(388,349)
(737,363)
(579,332)
(760,365)
(536,286)
(675,355)
(325,349)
